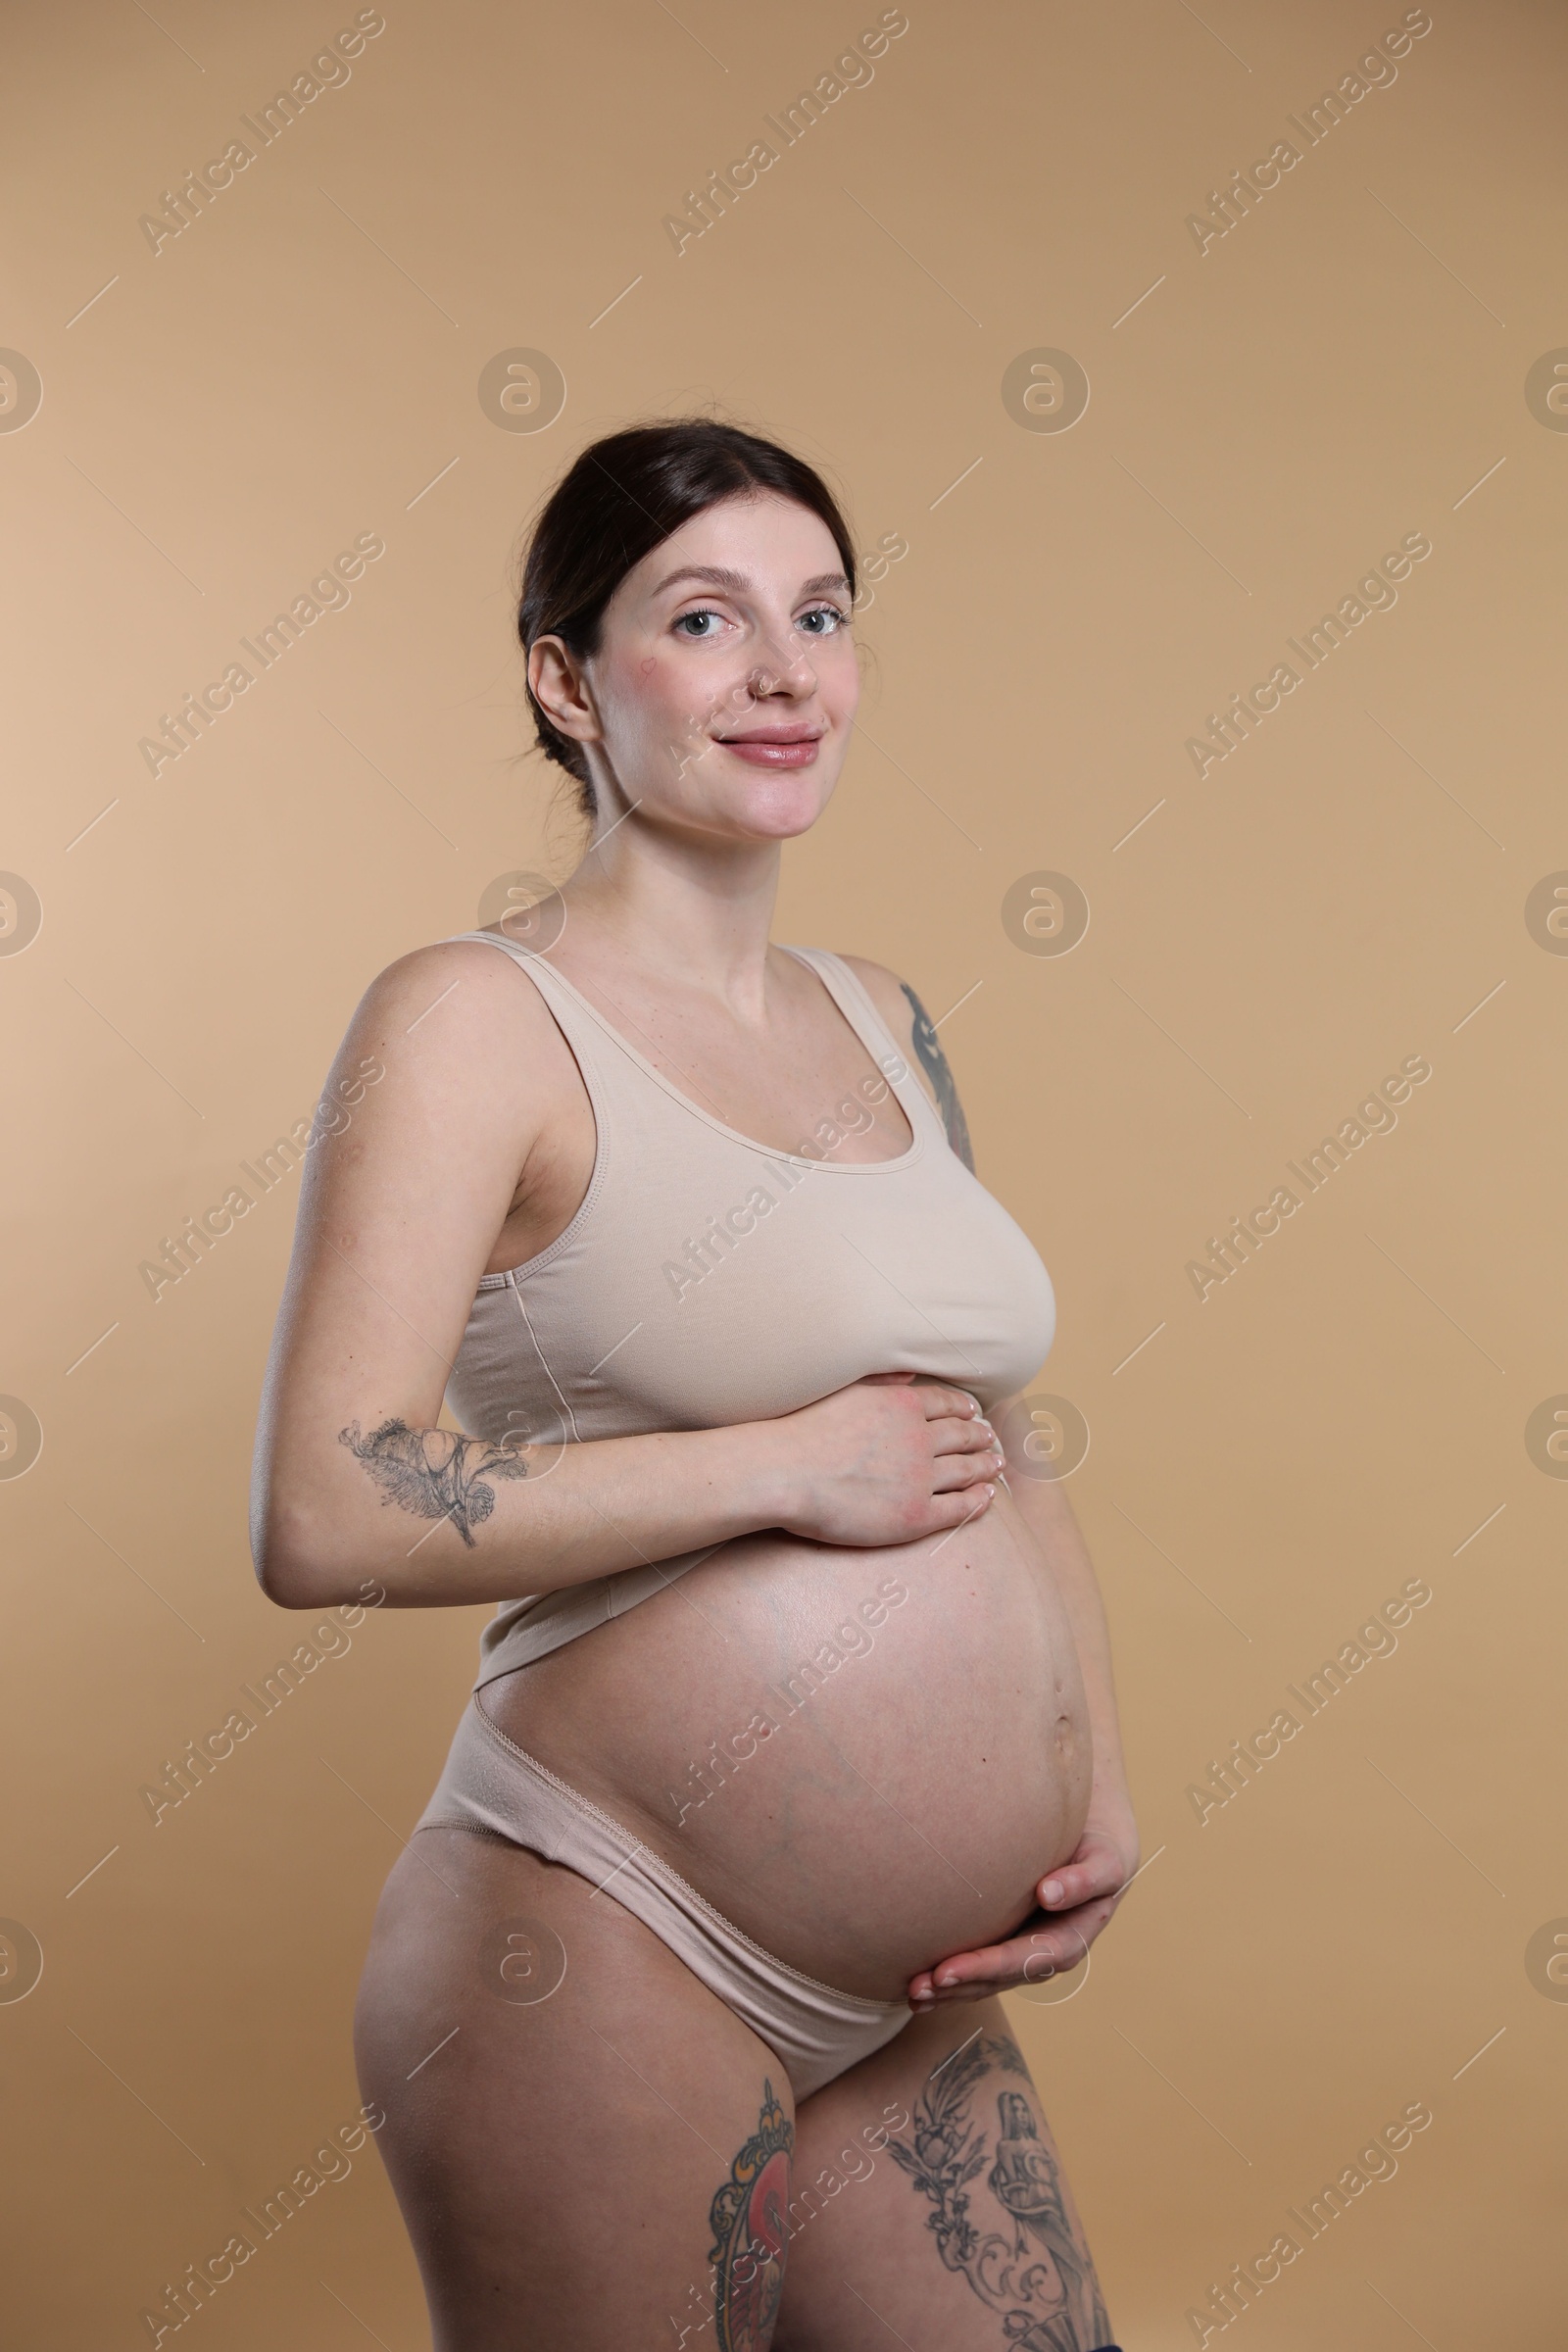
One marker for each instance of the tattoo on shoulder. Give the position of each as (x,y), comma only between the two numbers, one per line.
(934,1062)
(434,1473)
(1035,2271)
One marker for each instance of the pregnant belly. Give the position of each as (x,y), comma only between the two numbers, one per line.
(866,1759)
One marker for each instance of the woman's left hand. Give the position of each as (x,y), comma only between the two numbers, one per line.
(1076,1899)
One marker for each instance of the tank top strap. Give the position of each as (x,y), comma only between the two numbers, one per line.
(574,1015)
(585,1031)
(859,1009)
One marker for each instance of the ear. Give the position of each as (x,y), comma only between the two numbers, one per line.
(560,686)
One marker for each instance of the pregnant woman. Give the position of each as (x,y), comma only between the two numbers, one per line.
(794,1741)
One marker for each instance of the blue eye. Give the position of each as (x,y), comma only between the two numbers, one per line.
(830,614)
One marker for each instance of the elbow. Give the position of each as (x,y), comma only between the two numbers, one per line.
(288,1584)
(298,1570)
(304,1585)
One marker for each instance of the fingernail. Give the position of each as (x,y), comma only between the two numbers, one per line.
(1050,1893)
(946,1982)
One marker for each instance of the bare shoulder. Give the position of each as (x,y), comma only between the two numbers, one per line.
(914,1029)
(466,1041)
(461,998)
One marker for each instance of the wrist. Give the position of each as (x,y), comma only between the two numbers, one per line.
(758,1471)
(778,1480)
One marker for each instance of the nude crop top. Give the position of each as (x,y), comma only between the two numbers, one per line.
(707,1280)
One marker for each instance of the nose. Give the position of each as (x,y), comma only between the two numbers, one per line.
(780,664)
(780,667)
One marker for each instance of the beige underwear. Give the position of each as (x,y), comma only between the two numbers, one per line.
(815,2030)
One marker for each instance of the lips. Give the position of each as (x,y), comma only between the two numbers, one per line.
(774,747)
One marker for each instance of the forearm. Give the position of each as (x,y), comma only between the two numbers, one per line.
(436,1518)
(1047,1514)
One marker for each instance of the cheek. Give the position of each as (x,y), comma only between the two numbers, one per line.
(646,698)
(838,674)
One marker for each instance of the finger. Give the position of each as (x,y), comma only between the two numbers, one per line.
(1032,1959)
(953,1509)
(962,1472)
(944,1404)
(1023,1959)
(948,1434)
(963,1972)
(1001,1971)
(1097,1853)
(1075,1883)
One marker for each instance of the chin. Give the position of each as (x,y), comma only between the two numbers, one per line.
(778,807)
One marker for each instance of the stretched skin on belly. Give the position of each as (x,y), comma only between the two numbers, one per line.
(866,1759)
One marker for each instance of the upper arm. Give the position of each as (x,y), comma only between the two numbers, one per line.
(408,1178)
(914,1029)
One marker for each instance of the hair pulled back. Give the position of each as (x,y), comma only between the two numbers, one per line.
(621,497)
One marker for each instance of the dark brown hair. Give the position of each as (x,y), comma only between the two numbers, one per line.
(619,500)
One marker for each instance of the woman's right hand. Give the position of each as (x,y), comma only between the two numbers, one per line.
(887,1460)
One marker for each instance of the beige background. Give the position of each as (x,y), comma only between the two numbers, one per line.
(1340,893)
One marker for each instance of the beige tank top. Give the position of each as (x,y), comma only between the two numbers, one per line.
(707,1280)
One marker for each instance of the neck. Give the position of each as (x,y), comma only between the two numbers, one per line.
(698,912)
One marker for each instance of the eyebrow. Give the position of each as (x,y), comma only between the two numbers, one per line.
(717,576)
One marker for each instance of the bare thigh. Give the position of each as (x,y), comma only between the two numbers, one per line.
(586,2161)
(917,2242)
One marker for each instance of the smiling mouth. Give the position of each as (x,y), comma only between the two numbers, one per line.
(775,735)
(774,747)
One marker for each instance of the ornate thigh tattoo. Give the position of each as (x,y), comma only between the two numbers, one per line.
(750,2222)
(433,1473)
(1037,2275)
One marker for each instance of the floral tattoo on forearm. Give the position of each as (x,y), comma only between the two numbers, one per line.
(1039,2277)
(434,1473)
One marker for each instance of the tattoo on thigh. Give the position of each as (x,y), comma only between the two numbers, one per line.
(434,1473)
(750,2222)
(934,1062)
(1037,2275)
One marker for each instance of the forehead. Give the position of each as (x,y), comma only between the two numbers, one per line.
(760,541)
